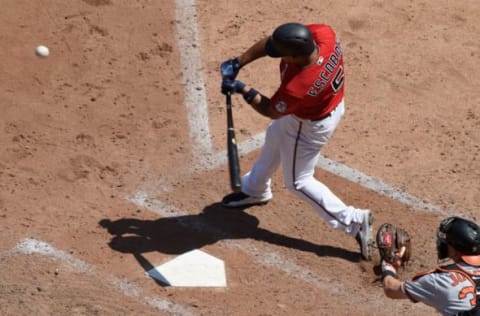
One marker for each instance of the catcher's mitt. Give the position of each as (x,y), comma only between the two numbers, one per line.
(394,244)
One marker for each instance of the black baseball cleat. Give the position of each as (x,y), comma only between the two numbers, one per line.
(365,236)
(239,199)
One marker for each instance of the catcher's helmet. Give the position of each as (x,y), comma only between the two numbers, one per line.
(290,39)
(462,234)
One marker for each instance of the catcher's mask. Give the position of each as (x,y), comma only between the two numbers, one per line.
(462,235)
(290,39)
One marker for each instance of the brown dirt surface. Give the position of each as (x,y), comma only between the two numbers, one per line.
(110,165)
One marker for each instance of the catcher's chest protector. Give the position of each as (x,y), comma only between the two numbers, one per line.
(475,311)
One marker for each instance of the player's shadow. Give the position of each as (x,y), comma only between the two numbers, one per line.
(179,234)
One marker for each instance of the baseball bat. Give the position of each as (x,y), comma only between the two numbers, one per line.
(232,150)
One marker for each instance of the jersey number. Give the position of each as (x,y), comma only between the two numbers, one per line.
(337,81)
(468,290)
(458,278)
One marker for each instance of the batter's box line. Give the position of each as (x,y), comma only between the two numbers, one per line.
(30,246)
(355,176)
(262,257)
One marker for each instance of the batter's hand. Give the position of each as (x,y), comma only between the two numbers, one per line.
(230,68)
(232,86)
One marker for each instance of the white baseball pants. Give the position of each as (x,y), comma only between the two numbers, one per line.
(295,144)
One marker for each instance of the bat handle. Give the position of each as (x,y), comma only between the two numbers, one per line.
(229,99)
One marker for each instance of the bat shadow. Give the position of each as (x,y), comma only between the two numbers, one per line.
(179,234)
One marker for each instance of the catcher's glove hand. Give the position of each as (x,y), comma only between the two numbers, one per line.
(394,245)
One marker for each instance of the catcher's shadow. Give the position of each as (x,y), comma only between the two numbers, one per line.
(179,234)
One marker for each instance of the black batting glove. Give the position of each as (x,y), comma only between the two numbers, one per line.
(232,86)
(230,68)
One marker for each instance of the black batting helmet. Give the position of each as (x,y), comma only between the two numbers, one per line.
(290,39)
(462,234)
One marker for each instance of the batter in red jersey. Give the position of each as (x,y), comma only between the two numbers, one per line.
(306,109)
(312,92)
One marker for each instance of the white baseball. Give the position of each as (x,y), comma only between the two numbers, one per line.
(42,51)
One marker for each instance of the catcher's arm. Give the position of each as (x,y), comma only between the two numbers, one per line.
(394,247)
(393,287)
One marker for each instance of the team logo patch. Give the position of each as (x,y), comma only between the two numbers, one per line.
(320,60)
(281,106)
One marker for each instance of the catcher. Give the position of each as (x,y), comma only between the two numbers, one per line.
(453,288)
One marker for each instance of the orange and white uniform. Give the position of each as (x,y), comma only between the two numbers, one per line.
(451,289)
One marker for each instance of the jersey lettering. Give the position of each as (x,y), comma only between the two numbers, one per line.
(329,71)
(319,84)
(468,293)
(338,49)
(330,66)
(325,75)
(457,278)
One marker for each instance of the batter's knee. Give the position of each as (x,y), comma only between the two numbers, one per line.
(296,185)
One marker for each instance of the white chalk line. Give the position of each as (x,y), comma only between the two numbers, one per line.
(341,170)
(30,246)
(188,41)
(378,186)
(195,100)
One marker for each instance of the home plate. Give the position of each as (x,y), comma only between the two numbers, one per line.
(193,268)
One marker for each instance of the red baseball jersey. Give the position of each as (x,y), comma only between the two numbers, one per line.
(313,91)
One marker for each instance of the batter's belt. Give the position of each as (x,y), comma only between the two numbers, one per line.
(325,116)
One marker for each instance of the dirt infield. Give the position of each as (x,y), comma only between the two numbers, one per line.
(113,153)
